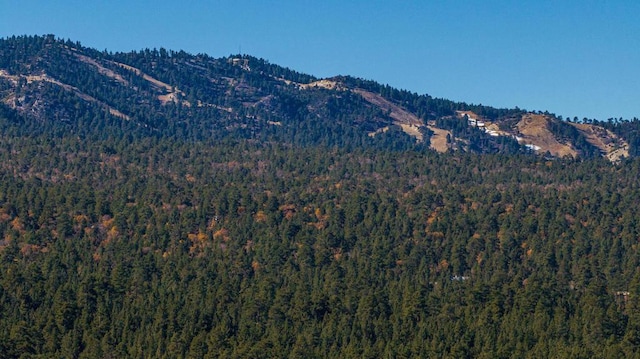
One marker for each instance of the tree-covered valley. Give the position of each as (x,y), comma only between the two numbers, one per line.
(132,227)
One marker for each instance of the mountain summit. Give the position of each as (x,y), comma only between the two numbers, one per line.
(61,84)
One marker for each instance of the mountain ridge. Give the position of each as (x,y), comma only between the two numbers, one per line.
(247,95)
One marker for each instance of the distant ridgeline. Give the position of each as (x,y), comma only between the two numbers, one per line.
(167,205)
(58,86)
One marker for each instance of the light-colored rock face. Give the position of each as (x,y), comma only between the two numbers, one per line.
(173,93)
(101,69)
(46,78)
(327,84)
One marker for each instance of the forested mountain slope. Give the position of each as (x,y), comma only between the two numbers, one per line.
(169,93)
(157,222)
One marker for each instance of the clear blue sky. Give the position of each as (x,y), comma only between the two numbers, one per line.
(572,58)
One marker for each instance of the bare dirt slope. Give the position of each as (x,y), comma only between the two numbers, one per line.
(171,96)
(46,78)
(409,122)
(439,139)
(470,114)
(400,115)
(613,147)
(534,130)
(328,84)
(103,70)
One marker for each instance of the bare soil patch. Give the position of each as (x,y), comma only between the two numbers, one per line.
(611,145)
(534,130)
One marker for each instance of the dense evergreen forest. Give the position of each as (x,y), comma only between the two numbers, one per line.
(157,238)
(146,247)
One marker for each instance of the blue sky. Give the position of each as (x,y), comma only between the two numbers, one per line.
(572,58)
